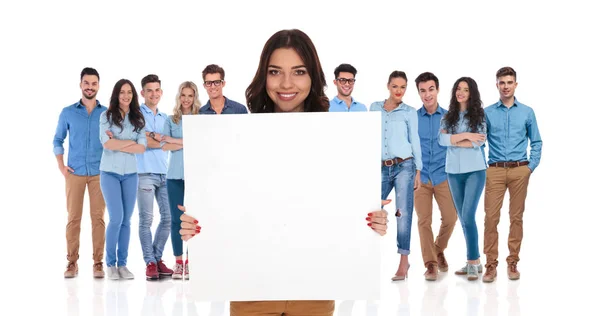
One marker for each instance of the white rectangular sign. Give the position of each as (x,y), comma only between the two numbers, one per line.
(282,200)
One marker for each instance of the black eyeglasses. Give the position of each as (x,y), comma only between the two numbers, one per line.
(345,80)
(216,83)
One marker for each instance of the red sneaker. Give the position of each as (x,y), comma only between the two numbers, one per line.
(151,271)
(163,269)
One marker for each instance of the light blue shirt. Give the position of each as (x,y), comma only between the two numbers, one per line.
(114,160)
(400,133)
(175,171)
(509,130)
(433,154)
(85,150)
(462,159)
(338,105)
(153,160)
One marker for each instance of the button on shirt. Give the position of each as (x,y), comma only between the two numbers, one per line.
(338,105)
(114,160)
(85,149)
(509,130)
(433,154)
(400,133)
(231,107)
(462,159)
(175,171)
(153,160)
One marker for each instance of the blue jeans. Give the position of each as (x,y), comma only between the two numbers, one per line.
(153,185)
(176,189)
(466,189)
(401,178)
(119,193)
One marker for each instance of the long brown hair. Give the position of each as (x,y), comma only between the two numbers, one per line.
(256,94)
(113,114)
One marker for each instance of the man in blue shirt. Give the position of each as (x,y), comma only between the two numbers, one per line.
(433,179)
(214,81)
(344,81)
(152,172)
(510,126)
(81,121)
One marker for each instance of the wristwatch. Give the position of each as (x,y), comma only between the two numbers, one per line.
(152,135)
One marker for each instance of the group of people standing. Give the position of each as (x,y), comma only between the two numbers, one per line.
(119,154)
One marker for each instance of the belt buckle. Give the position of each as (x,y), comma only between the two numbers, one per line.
(391,161)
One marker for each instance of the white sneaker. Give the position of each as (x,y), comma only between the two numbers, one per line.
(125,273)
(177,271)
(113,273)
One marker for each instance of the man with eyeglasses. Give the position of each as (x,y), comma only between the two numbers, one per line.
(344,81)
(214,81)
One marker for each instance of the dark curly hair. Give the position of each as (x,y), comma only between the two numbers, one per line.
(474,114)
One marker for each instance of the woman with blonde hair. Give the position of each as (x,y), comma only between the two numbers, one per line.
(186,103)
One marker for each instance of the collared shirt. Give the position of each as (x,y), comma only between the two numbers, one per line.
(433,154)
(400,133)
(338,105)
(231,107)
(114,160)
(462,159)
(175,171)
(508,132)
(153,160)
(85,149)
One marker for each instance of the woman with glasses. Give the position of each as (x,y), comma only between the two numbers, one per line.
(280,85)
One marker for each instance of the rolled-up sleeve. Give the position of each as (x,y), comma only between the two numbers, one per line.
(60,134)
(104,126)
(444,138)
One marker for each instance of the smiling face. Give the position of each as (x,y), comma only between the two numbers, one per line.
(187,100)
(397,88)
(125,96)
(344,83)
(428,93)
(89,86)
(462,94)
(506,86)
(288,83)
(152,93)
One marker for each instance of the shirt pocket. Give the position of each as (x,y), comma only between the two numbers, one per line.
(399,125)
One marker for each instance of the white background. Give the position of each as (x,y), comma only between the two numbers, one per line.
(552,46)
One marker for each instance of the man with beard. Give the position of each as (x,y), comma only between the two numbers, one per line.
(82,122)
(344,81)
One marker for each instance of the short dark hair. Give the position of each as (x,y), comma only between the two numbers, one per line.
(213,69)
(148,79)
(506,71)
(426,76)
(344,68)
(397,74)
(89,71)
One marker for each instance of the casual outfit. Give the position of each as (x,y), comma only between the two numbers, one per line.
(466,178)
(85,152)
(119,183)
(338,105)
(509,131)
(231,107)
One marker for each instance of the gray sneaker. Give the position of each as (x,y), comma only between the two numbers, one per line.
(125,273)
(463,270)
(472,272)
(113,273)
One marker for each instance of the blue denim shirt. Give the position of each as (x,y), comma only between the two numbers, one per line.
(509,130)
(175,171)
(400,133)
(116,161)
(462,159)
(153,160)
(434,155)
(85,149)
(231,107)
(338,105)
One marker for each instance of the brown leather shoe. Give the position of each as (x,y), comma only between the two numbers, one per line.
(98,270)
(442,263)
(490,274)
(432,272)
(513,273)
(72,270)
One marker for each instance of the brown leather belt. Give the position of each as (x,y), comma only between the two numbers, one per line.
(391,162)
(509,164)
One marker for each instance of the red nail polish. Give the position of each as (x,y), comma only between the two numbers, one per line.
(368,218)
(193,235)
(369,224)
(195,222)
(370,214)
